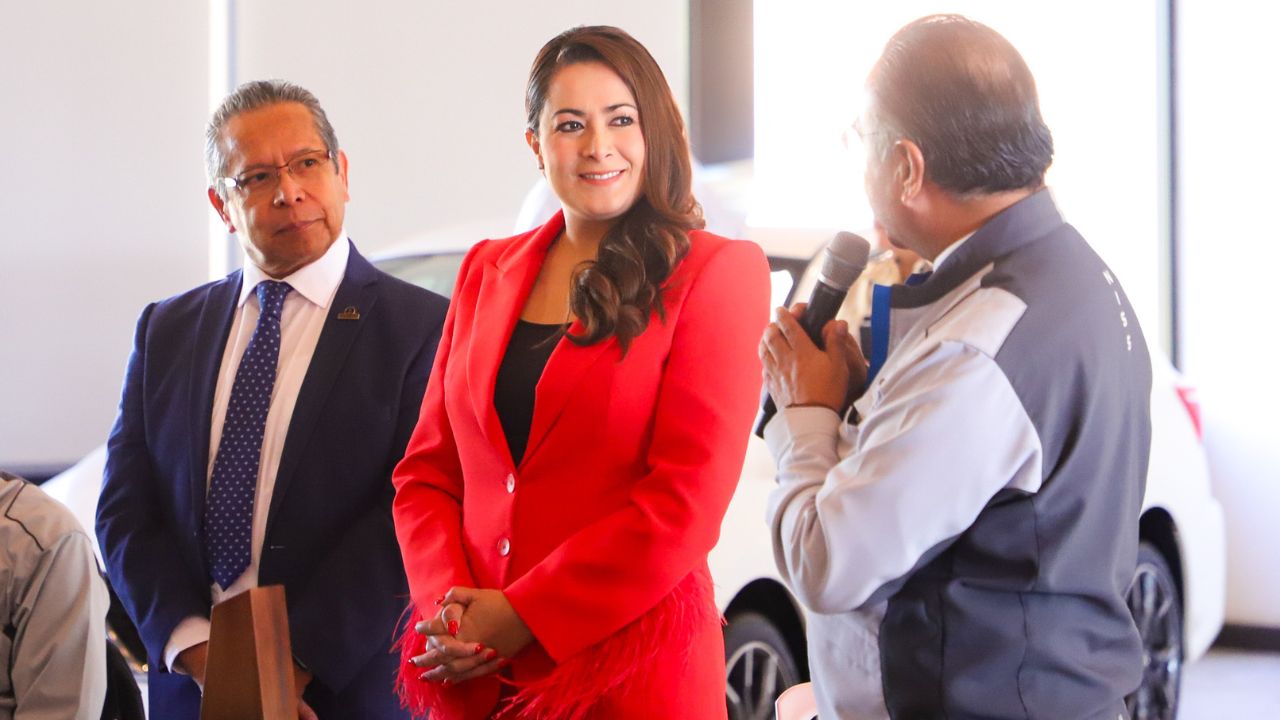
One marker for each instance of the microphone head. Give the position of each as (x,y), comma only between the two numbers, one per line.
(843,260)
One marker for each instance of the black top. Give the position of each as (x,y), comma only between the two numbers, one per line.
(513,392)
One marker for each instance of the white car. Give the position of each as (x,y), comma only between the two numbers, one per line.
(1177,596)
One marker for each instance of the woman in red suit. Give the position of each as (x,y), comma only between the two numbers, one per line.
(585,424)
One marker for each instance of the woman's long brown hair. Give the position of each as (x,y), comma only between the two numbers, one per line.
(617,292)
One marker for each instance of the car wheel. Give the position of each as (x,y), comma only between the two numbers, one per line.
(1157,611)
(758,666)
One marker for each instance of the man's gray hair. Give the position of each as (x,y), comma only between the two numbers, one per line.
(252,96)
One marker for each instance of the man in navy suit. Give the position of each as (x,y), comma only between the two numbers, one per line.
(260,420)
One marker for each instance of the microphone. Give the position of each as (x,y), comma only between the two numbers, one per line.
(843,260)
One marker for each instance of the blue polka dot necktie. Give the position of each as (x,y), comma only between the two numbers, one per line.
(228,520)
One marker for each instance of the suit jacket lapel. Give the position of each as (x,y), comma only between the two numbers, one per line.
(358,289)
(504,287)
(568,365)
(209,344)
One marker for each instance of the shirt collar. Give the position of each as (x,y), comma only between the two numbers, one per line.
(948,251)
(316,281)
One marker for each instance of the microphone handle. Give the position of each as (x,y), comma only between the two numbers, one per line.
(824,303)
(823,306)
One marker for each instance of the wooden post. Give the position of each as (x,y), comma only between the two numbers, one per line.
(249,675)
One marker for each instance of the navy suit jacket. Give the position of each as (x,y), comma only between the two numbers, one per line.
(329,535)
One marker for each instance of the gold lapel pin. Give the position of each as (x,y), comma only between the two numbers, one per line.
(349,313)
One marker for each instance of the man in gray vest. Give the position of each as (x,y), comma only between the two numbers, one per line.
(965,540)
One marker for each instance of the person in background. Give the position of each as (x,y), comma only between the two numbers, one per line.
(889,266)
(585,424)
(261,417)
(964,548)
(53,609)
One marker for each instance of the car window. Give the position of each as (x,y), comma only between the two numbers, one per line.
(783,273)
(808,278)
(780,283)
(436,272)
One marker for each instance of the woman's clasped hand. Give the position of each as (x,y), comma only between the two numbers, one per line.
(475,633)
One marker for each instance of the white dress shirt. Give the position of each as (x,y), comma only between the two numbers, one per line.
(305,310)
(948,251)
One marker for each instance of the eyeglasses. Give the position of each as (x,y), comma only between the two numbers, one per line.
(855,135)
(303,168)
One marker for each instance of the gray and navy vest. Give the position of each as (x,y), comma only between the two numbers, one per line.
(1023,615)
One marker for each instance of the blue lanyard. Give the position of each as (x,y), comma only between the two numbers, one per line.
(880,295)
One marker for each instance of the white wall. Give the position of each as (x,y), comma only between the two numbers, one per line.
(103,189)
(1228,112)
(102,198)
(428,98)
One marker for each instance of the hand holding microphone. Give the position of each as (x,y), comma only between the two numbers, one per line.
(799,365)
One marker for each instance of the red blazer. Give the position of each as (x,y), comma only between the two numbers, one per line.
(599,538)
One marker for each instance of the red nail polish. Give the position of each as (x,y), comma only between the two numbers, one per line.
(453,627)
(479,648)
(491,654)
(444,682)
(439,599)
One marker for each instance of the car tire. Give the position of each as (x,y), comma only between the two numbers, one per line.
(758,664)
(1157,611)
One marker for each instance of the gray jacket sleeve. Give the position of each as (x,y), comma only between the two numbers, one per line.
(59,656)
(853,516)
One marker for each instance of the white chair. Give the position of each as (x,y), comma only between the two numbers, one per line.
(797,703)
